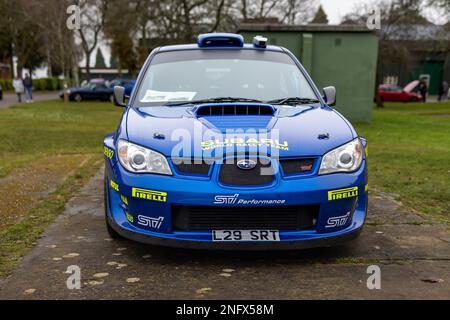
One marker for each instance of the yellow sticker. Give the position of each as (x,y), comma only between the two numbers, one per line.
(151,195)
(109,153)
(130,217)
(114,185)
(342,193)
(124,199)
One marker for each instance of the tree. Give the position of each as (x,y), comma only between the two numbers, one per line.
(320,17)
(93,13)
(100,60)
(6,39)
(286,11)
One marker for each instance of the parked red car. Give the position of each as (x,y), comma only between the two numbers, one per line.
(392,92)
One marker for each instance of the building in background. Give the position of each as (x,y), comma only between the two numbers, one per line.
(426,51)
(341,56)
(101,70)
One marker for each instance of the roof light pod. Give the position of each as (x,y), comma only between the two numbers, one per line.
(260,42)
(220,40)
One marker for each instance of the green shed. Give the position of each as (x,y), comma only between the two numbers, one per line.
(343,56)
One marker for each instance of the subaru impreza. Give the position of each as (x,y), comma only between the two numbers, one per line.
(230,145)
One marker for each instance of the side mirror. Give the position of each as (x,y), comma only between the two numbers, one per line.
(330,95)
(119,96)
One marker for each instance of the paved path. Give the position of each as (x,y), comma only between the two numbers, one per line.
(414,257)
(10,99)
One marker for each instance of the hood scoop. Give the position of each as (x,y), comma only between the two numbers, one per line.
(235,110)
(237,116)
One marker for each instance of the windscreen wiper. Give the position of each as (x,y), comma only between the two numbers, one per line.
(292,100)
(213,100)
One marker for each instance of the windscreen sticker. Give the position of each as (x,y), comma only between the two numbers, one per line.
(161,96)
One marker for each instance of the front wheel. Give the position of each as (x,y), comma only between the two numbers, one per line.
(111,232)
(78,97)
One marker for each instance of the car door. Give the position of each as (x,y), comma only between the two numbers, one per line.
(396,93)
(101,92)
(89,92)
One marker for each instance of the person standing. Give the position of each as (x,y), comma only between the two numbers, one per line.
(28,84)
(443,90)
(423,89)
(18,88)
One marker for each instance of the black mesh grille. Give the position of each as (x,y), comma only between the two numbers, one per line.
(197,218)
(297,166)
(231,174)
(222,110)
(192,167)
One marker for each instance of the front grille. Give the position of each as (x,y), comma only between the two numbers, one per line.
(197,218)
(232,175)
(297,166)
(192,167)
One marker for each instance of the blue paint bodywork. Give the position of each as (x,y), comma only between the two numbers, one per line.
(300,126)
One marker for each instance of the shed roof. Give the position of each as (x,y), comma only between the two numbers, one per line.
(312,27)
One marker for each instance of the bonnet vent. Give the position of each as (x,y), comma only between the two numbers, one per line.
(235,110)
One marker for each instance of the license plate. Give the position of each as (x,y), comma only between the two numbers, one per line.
(245,235)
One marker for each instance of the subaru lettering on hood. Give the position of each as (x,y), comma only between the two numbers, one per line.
(228,145)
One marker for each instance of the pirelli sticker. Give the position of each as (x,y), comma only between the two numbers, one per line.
(109,153)
(342,193)
(151,195)
(114,185)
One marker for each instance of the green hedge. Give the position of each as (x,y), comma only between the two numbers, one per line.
(47,84)
(44,84)
(6,85)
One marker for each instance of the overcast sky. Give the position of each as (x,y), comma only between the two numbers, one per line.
(336,9)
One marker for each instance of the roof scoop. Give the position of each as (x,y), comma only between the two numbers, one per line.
(220,40)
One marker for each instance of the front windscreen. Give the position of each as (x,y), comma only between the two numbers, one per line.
(191,75)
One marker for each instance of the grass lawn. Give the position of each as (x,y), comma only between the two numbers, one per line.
(35,130)
(49,150)
(409,155)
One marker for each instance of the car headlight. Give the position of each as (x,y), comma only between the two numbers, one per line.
(346,158)
(142,160)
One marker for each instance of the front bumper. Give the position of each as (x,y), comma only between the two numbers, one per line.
(133,199)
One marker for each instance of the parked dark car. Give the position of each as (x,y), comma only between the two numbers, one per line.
(391,92)
(126,83)
(98,89)
(91,91)
(1,93)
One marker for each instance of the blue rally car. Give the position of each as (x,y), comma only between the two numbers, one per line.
(226,145)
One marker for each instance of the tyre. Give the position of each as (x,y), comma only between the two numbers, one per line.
(112,233)
(77,97)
